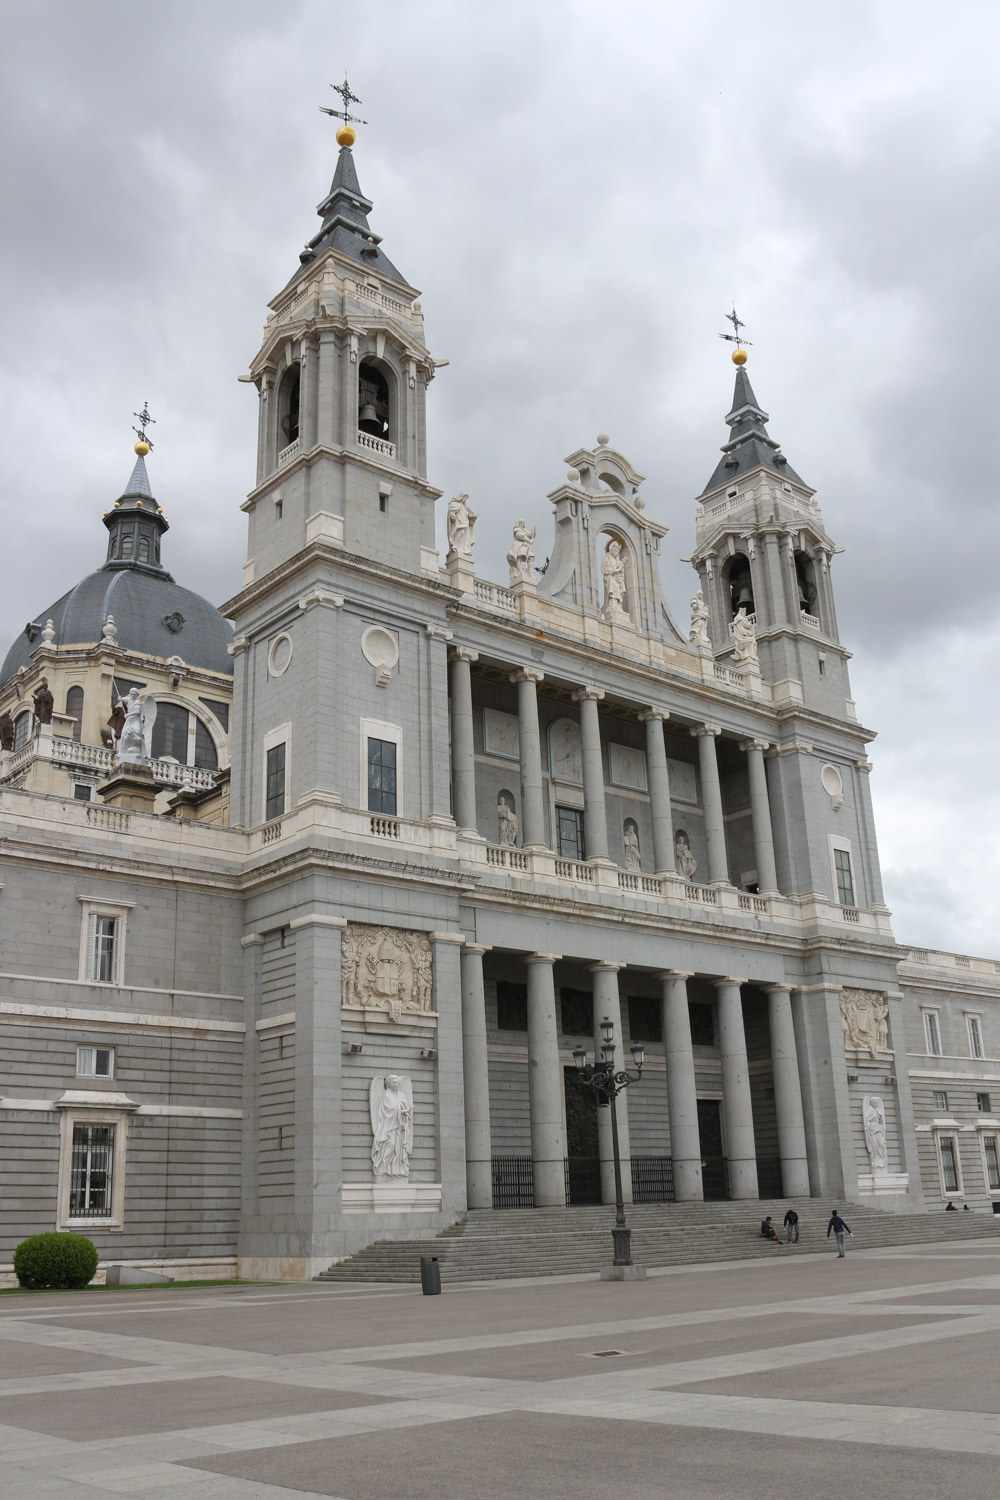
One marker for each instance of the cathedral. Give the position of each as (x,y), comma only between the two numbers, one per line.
(309,900)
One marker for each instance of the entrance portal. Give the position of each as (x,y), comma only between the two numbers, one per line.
(583,1166)
(714,1168)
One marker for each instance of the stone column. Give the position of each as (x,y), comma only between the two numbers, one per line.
(330,371)
(532,805)
(787,1093)
(595,822)
(711,794)
(318,1054)
(478,1148)
(439,789)
(740,1148)
(607,1002)
(760,814)
(659,791)
(307,395)
(447,993)
(463,753)
(682,1098)
(545,1092)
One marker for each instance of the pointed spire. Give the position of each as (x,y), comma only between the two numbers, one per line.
(750,444)
(135,522)
(345,226)
(138,483)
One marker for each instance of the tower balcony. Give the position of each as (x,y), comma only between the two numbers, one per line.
(378,445)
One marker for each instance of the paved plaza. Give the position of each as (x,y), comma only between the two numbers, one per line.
(872,1375)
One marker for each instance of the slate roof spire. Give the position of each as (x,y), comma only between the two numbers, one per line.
(749,445)
(135,522)
(344,212)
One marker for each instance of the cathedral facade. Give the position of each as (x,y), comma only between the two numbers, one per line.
(311,972)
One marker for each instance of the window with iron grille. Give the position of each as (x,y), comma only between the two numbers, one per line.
(274,804)
(569,833)
(992,1157)
(845,877)
(512,1006)
(645,1019)
(983,1103)
(949,1164)
(381,776)
(103,949)
(91,1172)
(577,1009)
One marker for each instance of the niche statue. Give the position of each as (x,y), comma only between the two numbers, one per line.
(390,1100)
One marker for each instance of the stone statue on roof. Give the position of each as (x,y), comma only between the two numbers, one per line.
(461,526)
(521,557)
(44,703)
(140,716)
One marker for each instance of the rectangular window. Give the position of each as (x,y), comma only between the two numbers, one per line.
(949,1164)
(983,1103)
(577,1010)
(645,1019)
(975,1036)
(274,793)
(82,791)
(702,1025)
(512,1006)
(845,879)
(381,776)
(102,958)
(91,1172)
(940,1100)
(932,1032)
(95,1062)
(569,833)
(992,1157)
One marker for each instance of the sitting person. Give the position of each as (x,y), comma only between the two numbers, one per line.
(768,1231)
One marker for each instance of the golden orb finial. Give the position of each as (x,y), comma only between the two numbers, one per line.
(346,136)
(142,448)
(739,356)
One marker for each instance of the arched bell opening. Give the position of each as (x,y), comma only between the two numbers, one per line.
(373,402)
(805,578)
(739,583)
(74,710)
(288,406)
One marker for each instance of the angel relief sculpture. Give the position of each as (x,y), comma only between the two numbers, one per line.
(386,968)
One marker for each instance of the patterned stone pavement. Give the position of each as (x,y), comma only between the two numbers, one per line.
(877,1373)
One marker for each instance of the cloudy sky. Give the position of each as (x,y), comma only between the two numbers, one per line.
(580,191)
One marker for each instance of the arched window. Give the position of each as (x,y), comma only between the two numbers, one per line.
(373,402)
(128,541)
(22,730)
(805,577)
(74,710)
(182,736)
(143,549)
(740,584)
(288,407)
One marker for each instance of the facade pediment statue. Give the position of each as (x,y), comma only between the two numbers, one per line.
(613,573)
(865,1015)
(744,638)
(521,557)
(385,968)
(461,526)
(698,634)
(390,1102)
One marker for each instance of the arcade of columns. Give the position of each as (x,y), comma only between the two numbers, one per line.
(548,1139)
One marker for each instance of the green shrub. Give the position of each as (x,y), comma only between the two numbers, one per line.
(55,1260)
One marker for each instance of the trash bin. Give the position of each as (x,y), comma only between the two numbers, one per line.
(430,1276)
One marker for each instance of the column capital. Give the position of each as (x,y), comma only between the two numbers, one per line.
(760,745)
(528,674)
(479,948)
(663,714)
(607,963)
(438,632)
(463,653)
(782,985)
(728,979)
(542,958)
(595,693)
(675,974)
(705,729)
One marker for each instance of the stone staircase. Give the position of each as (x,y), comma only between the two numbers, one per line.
(493,1245)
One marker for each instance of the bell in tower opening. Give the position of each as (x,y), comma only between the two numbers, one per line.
(806,580)
(373,402)
(288,406)
(740,584)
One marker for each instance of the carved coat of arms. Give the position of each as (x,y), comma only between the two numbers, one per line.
(865,1016)
(385,968)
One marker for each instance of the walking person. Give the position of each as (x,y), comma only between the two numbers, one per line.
(791,1224)
(838,1227)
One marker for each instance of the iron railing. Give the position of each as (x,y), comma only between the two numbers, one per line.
(583,1181)
(769,1182)
(652,1179)
(513,1186)
(715,1178)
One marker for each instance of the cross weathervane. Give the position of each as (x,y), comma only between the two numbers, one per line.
(347,98)
(734,337)
(144,420)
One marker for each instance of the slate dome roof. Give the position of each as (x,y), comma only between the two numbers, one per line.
(153,615)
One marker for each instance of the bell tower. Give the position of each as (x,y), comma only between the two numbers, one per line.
(762,550)
(342,375)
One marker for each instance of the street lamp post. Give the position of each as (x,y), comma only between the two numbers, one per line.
(605,1083)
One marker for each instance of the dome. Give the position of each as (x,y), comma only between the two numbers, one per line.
(142,604)
(153,615)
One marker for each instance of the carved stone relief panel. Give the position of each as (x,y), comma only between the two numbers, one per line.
(565,751)
(865,1016)
(385,969)
(628,766)
(683,783)
(501,735)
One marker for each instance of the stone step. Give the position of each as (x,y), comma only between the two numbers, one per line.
(493,1245)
